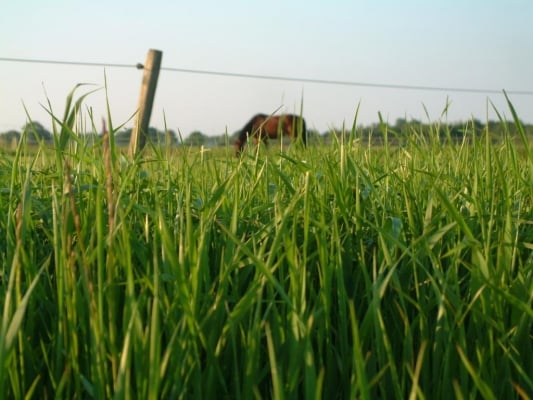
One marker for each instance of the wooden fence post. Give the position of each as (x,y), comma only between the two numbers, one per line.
(146,101)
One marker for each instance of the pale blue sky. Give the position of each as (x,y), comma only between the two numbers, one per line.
(440,43)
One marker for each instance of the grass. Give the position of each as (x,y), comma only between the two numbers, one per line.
(341,271)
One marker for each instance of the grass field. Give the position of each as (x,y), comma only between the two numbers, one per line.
(342,271)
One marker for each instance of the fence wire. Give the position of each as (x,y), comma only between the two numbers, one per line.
(276,77)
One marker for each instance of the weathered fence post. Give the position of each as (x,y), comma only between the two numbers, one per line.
(146,101)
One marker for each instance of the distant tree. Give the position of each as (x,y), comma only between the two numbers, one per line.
(35,132)
(155,136)
(122,138)
(196,138)
(171,137)
(222,139)
(10,138)
(330,135)
(162,137)
(400,124)
(313,136)
(10,135)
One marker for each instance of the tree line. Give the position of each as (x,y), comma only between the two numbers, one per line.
(34,133)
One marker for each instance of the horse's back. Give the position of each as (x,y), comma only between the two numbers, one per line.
(263,126)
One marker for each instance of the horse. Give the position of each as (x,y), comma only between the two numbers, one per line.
(263,126)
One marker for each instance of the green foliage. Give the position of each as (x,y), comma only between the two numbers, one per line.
(338,271)
(35,133)
(399,132)
(155,136)
(196,138)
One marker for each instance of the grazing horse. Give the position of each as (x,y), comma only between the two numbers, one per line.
(262,126)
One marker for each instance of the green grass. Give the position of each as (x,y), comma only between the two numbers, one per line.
(340,271)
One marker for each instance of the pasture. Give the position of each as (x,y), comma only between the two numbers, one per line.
(342,271)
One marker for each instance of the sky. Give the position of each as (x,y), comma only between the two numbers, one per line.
(466,44)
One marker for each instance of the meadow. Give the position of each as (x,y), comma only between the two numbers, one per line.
(345,271)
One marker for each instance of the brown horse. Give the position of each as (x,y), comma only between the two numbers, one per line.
(262,126)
